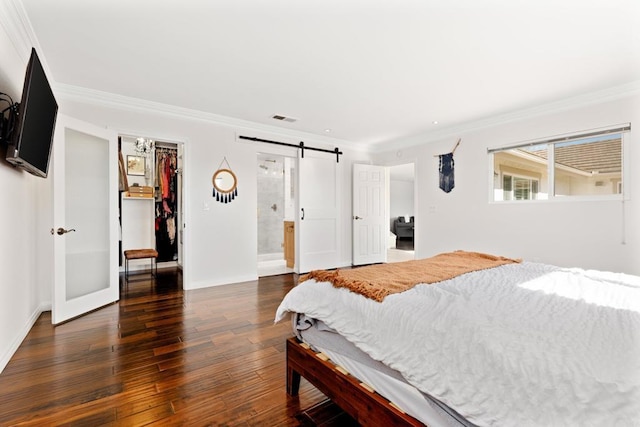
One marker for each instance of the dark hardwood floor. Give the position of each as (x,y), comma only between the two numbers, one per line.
(160,356)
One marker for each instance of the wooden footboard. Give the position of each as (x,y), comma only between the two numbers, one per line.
(354,397)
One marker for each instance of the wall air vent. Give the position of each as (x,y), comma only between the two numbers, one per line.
(283,118)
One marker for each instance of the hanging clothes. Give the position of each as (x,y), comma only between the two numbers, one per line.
(166,199)
(166,177)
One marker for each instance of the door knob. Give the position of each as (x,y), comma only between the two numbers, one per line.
(60,231)
(357,217)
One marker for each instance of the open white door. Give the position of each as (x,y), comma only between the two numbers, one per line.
(85,227)
(180,204)
(369,224)
(317,240)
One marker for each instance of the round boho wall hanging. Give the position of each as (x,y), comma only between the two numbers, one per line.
(225,183)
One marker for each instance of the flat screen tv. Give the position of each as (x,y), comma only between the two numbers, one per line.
(30,144)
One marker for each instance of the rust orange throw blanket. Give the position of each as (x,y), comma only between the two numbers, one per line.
(378,281)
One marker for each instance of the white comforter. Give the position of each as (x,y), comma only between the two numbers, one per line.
(518,345)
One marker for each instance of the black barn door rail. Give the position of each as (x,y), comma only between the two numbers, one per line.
(301,146)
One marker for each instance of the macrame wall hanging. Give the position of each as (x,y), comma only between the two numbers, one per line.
(225,183)
(446,170)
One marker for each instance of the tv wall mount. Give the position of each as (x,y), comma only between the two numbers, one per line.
(7,122)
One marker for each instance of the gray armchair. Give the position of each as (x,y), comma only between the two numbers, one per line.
(403,231)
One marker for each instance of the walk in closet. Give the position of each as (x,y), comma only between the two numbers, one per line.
(151,199)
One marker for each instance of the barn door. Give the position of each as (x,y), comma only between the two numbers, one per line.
(319,204)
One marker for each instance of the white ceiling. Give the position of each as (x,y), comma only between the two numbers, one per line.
(371,71)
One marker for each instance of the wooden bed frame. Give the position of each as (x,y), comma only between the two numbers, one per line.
(357,399)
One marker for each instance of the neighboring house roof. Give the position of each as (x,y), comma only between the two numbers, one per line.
(600,156)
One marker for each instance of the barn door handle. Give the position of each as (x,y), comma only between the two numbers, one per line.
(302,213)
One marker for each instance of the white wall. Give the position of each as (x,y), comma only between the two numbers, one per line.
(583,234)
(221,241)
(20,296)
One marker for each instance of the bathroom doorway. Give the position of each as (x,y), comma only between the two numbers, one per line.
(276,214)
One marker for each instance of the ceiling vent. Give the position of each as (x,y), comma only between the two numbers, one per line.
(283,118)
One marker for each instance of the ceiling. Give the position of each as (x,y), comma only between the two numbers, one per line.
(370,71)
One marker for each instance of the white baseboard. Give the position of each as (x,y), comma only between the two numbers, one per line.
(22,334)
(226,281)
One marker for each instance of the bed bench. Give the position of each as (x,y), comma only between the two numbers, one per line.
(140,254)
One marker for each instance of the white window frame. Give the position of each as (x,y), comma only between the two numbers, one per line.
(622,129)
(513,193)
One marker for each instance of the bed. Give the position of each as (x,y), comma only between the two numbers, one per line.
(517,344)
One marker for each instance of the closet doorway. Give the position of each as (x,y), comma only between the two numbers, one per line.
(151,200)
(276,214)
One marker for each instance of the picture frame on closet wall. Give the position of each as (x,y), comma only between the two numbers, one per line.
(135,165)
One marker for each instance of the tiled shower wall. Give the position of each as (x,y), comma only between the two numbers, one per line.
(271,204)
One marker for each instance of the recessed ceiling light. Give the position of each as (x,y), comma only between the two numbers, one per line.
(327,130)
(435,122)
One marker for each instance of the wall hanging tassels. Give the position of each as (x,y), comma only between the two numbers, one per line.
(446,170)
(225,183)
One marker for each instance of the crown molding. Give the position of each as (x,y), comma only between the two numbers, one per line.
(14,20)
(121,102)
(15,23)
(584,100)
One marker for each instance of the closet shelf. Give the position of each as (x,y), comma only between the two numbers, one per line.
(137,198)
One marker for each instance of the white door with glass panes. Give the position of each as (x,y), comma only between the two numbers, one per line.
(85,218)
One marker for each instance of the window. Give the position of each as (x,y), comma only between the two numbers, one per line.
(588,164)
(521,174)
(519,188)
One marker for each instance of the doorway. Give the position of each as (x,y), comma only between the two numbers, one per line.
(401,241)
(276,213)
(151,200)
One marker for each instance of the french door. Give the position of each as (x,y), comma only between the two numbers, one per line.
(85,229)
